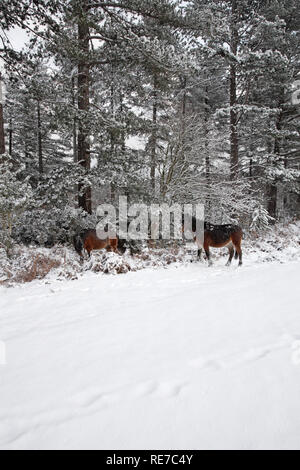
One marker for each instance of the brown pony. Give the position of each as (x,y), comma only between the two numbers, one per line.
(219,236)
(89,241)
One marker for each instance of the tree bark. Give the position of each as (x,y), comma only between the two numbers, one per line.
(84,158)
(272,201)
(40,145)
(112,110)
(2,137)
(272,189)
(10,137)
(234,140)
(123,135)
(183,112)
(75,150)
(251,167)
(207,156)
(154,133)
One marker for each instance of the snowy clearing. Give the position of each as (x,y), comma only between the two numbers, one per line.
(187,357)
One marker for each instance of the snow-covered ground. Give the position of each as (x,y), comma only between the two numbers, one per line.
(187,357)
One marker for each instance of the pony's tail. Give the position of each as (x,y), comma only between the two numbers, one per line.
(78,244)
(236,255)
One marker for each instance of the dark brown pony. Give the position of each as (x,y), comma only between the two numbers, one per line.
(219,236)
(89,241)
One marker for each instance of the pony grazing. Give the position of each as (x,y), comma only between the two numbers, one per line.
(89,241)
(219,236)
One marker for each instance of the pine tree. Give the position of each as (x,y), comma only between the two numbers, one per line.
(2,137)
(14,197)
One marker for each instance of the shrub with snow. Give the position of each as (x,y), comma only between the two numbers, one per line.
(109,263)
(15,195)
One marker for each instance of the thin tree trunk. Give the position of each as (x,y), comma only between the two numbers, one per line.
(184,97)
(251,167)
(40,147)
(123,136)
(234,141)
(207,156)
(10,137)
(112,131)
(154,133)
(112,110)
(2,138)
(272,189)
(26,152)
(75,150)
(84,158)
(183,114)
(272,201)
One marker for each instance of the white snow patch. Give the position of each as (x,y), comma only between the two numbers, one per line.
(188,357)
(136,143)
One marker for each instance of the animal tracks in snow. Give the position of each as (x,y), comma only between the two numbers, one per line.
(160,390)
(241,358)
(205,363)
(91,398)
(97,399)
(85,403)
(87,399)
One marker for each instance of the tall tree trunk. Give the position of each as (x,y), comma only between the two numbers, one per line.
(183,114)
(112,110)
(10,137)
(183,105)
(272,189)
(84,157)
(75,150)
(154,133)
(272,201)
(2,138)
(207,156)
(234,141)
(123,135)
(40,146)
(112,130)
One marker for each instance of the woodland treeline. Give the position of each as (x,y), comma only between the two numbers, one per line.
(159,100)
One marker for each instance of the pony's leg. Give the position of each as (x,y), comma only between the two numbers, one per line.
(237,241)
(231,253)
(206,249)
(200,248)
(86,254)
(207,252)
(88,249)
(240,257)
(113,243)
(239,253)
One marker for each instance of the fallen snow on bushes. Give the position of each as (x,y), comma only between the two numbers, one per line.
(279,244)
